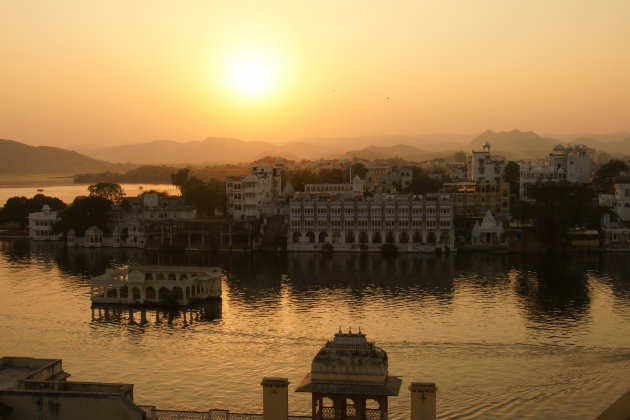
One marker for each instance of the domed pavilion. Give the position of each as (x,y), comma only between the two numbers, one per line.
(349,375)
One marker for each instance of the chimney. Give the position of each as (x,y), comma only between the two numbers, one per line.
(275,398)
(423,401)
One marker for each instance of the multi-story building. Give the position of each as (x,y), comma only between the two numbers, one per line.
(251,196)
(564,163)
(474,199)
(354,188)
(40,224)
(483,166)
(411,222)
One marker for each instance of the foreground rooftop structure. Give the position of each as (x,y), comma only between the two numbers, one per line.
(347,373)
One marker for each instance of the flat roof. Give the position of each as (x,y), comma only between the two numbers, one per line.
(9,375)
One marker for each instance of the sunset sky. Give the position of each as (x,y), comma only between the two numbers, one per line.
(112,72)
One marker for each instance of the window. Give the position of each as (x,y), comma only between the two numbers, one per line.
(322,211)
(376,224)
(403,224)
(389,223)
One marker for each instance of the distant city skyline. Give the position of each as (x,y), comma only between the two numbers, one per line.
(82,73)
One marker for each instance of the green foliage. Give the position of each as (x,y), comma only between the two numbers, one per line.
(84,212)
(421,183)
(359,169)
(150,174)
(560,206)
(301,177)
(107,190)
(180,178)
(604,179)
(17,209)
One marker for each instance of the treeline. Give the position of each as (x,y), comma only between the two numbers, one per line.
(161,174)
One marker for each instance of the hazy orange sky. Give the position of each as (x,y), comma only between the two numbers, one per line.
(111,72)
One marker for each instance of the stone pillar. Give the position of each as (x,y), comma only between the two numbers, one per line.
(423,401)
(275,398)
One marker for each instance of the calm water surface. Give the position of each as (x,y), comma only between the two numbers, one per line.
(503,336)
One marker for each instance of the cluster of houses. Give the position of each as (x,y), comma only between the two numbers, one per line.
(472,210)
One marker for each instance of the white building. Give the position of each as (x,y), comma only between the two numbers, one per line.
(565,163)
(411,222)
(40,225)
(490,233)
(253,195)
(151,284)
(483,166)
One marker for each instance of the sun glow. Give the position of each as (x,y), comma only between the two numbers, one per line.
(252,74)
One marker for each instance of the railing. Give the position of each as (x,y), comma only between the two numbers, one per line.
(153,414)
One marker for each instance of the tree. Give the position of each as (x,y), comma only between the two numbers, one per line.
(604,179)
(107,190)
(358,169)
(180,178)
(17,209)
(421,183)
(205,196)
(561,206)
(513,177)
(84,212)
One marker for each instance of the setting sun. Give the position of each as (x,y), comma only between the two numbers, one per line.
(252,74)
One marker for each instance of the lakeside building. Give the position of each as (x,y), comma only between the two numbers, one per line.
(137,222)
(248,196)
(616,234)
(490,233)
(40,225)
(413,223)
(153,284)
(564,163)
(483,166)
(472,200)
(349,379)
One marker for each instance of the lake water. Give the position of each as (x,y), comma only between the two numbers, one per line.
(67,193)
(502,336)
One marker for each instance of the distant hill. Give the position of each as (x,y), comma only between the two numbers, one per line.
(21,159)
(402,151)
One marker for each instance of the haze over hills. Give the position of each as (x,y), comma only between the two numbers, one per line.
(513,144)
(21,159)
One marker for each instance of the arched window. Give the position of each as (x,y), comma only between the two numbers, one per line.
(403,238)
(150,293)
(172,277)
(431,238)
(297,237)
(417,238)
(310,237)
(349,237)
(363,238)
(377,238)
(445,238)
(323,237)
(389,238)
(148,276)
(135,293)
(183,277)
(336,238)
